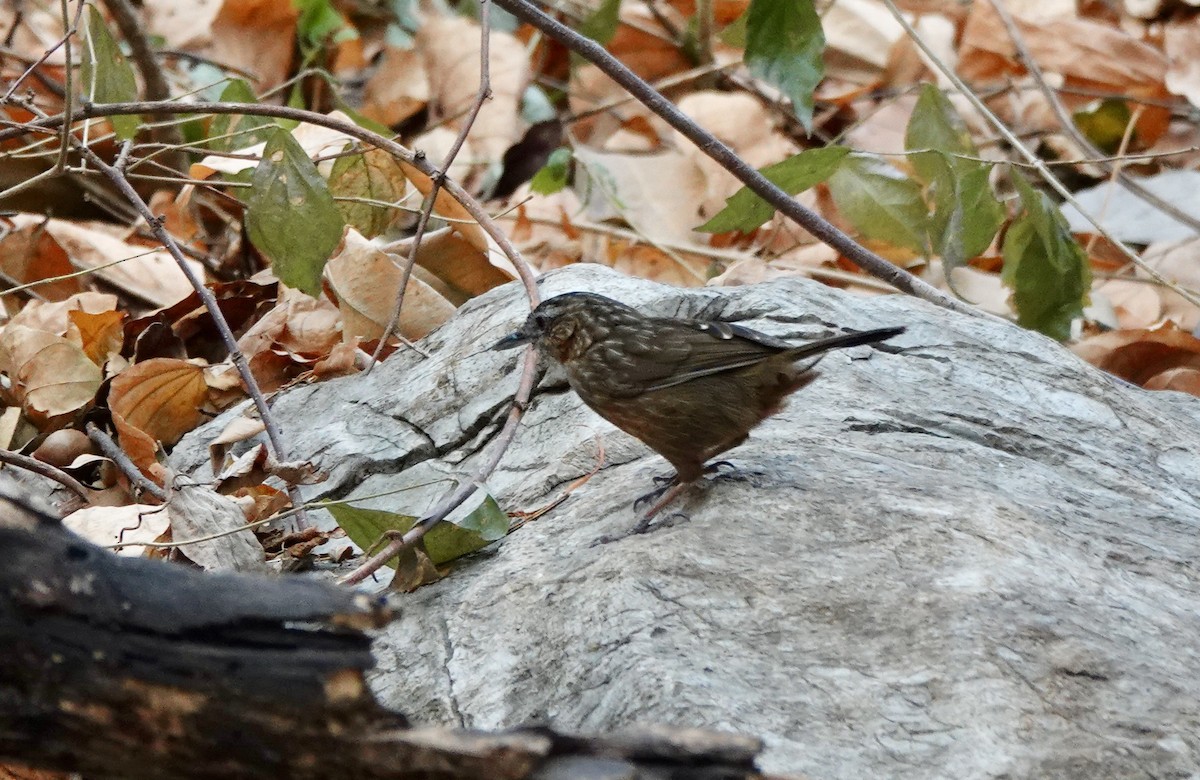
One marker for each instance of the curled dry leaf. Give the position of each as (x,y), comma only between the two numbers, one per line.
(364,279)
(196,512)
(464,271)
(51,376)
(161,397)
(125,525)
(1179,262)
(1144,357)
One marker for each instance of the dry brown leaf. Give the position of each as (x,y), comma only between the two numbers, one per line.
(1079,49)
(298,323)
(161,397)
(1135,304)
(29,254)
(1179,262)
(631,187)
(648,262)
(51,375)
(1184,380)
(364,280)
(450,45)
(150,274)
(56,317)
(100,335)
(254,36)
(1138,356)
(125,525)
(398,87)
(446,206)
(464,271)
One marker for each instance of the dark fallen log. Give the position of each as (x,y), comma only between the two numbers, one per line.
(132,668)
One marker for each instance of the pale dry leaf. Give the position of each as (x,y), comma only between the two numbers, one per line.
(125,525)
(649,262)
(315,140)
(743,124)
(859,37)
(239,429)
(162,397)
(1135,304)
(365,280)
(151,274)
(658,195)
(451,47)
(51,375)
(464,270)
(298,323)
(56,317)
(398,88)
(1181,41)
(197,511)
(1179,262)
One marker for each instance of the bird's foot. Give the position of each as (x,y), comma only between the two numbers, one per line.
(644,526)
(663,483)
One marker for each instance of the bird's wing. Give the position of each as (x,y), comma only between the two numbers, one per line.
(682,351)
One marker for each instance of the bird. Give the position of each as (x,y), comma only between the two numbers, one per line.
(689,389)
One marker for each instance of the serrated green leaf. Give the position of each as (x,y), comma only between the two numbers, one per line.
(373,175)
(552,176)
(290,215)
(601,26)
(745,211)
(237,131)
(881,202)
(935,125)
(107,75)
(445,542)
(784,46)
(1046,269)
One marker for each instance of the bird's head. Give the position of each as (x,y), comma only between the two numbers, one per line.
(566,325)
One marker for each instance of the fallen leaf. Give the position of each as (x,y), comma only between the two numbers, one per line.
(162,397)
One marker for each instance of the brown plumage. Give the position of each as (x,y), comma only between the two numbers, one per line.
(689,389)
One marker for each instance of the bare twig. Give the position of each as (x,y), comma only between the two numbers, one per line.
(47,471)
(482,95)
(127,466)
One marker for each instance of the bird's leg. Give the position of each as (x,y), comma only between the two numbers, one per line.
(665,495)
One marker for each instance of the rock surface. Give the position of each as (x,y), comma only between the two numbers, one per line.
(963,553)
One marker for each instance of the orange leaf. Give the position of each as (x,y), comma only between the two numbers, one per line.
(161,397)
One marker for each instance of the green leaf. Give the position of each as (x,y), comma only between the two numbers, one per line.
(1104,123)
(249,129)
(936,125)
(552,176)
(881,202)
(784,44)
(745,211)
(735,33)
(320,23)
(601,26)
(107,75)
(290,215)
(375,175)
(445,542)
(1045,267)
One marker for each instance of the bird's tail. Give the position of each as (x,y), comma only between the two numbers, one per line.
(821,346)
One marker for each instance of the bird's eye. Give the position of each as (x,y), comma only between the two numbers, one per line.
(541,320)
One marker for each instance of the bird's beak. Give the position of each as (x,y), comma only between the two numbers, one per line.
(514,339)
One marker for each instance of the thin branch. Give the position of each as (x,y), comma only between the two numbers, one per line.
(728,159)
(482,95)
(127,466)
(47,471)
